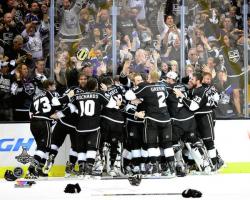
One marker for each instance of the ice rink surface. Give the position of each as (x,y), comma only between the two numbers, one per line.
(213,187)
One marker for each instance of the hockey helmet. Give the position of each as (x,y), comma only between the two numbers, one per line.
(9,176)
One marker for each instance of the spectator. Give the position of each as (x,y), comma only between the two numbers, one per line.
(8,31)
(33,39)
(39,73)
(5,96)
(33,15)
(235,18)
(45,29)
(145,35)
(126,24)
(164,69)
(212,66)
(87,69)
(193,57)
(225,108)
(70,30)
(139,62)
(63,63)
(167,29)
(140,6)
(233,63)
(173,51)
(96,39)
(16,54)
(174,66)
(188,74)
(23,88)
(103,19)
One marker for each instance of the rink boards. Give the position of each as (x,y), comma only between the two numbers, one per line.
(232,139)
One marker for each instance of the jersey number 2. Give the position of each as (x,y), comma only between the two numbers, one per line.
(161,99)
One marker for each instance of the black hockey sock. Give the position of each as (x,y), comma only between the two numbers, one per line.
(43,161)
(126,162)
(37,158)
(136,161)
(163,159)
(53,152)
(170,158)
(72,159)
(113,153)
(90,161)
(214,160)
(81,162)
(153,159)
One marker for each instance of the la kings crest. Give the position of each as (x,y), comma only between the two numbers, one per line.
(29,88)
(234,56)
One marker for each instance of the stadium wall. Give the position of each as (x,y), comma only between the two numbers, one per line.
(232,139)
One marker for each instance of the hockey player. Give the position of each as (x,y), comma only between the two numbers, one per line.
(43,106)
(201,103)
(157,121)
(64,126)
(183,125)
(113,122)
(213,96)
(134,140)
(89,104)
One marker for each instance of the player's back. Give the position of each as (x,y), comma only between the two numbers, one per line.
(42,105)
(116,92)
(89,105)
(154,97)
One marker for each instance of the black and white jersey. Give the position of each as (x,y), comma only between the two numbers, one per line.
(89,105)
(115,114)
(225,107)
(154,97)
(233,60)
(23,92)
(125,81)
(202,99)
(176,108)
(69,111)
(46,103)
(5,97)
(130,112)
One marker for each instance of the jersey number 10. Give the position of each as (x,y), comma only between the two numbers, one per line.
(87,108)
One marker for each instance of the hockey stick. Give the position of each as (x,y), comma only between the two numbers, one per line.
(186,194)
(137,194)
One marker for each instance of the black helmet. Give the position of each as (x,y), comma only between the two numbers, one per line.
(9,176)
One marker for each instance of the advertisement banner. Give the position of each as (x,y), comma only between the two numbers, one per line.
(17,143)
(232,139)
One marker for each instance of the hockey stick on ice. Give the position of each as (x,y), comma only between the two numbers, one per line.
(186,194)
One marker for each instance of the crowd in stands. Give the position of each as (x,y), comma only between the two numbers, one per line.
(148,34)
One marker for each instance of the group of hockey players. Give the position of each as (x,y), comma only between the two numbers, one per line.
(142,124)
